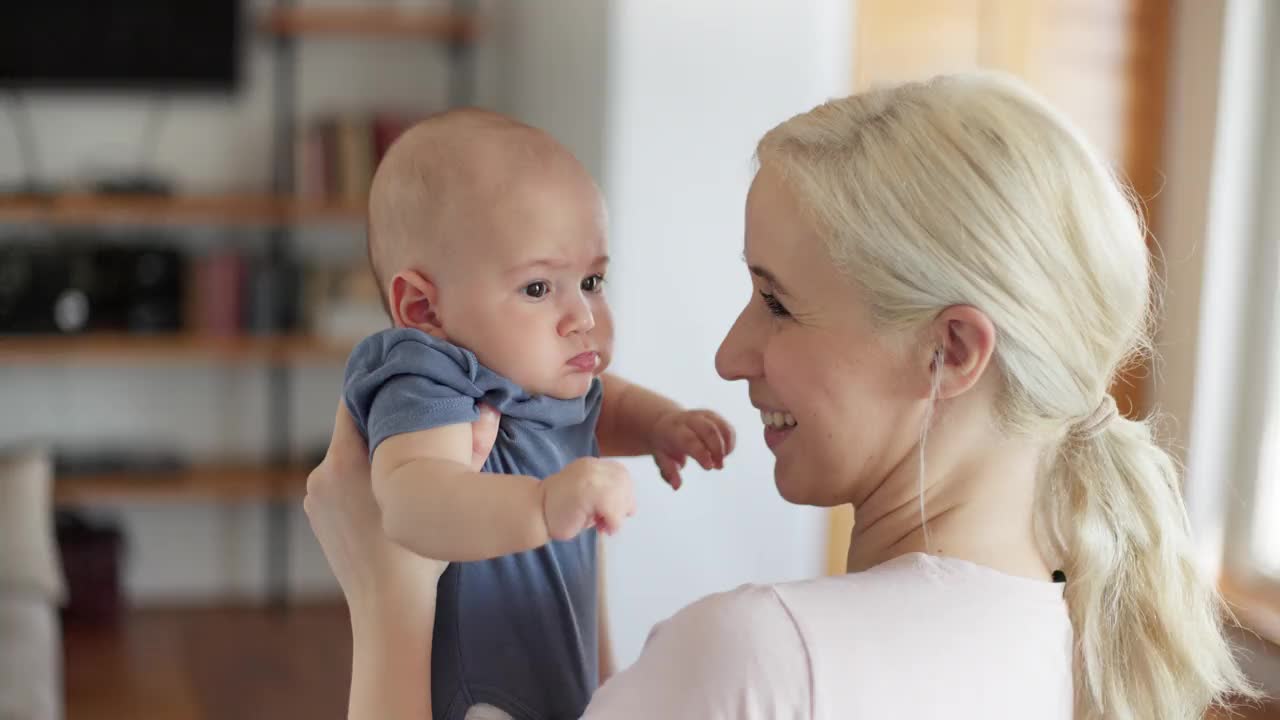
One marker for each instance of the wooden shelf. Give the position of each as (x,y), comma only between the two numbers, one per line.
(379,22)
(213,482)
(120,347)
(84,209)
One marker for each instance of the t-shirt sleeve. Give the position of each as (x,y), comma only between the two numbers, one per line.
(733,655)
(398,382)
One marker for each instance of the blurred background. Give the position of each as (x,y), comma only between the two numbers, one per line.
(182,274)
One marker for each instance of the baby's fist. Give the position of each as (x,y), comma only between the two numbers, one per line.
(588,491)
(700,434)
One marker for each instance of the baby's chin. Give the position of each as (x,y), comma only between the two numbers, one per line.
(564,388)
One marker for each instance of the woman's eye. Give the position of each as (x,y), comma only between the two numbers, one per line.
(593,283)
(776,308)
(537,289)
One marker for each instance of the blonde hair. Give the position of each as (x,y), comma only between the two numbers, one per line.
(970,190)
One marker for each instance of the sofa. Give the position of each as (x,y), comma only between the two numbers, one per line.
(31,589)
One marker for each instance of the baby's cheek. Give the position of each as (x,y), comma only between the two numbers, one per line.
(603,316)
(602,338)
(606,357)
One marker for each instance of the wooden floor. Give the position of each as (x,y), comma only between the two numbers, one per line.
(237,663)
(209,664)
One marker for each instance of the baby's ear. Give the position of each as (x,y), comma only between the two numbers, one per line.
(413,303)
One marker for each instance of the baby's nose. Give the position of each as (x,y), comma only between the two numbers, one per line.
(578,318)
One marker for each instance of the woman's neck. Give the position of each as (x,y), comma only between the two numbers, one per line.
(978,505)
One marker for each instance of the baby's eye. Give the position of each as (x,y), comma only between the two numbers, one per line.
(537,289)
(593,283)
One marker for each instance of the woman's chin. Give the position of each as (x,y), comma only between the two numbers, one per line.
(792,485)
(799,486)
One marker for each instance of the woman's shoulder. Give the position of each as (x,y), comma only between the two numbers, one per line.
(777,610)
(920,616)
(750,628)
(724,608)
(922,589)
(734,654)
(751,652)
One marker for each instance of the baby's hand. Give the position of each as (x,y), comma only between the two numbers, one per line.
(588,491)
(700,434)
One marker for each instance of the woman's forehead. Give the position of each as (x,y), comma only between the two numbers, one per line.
(776,232)
(765,215)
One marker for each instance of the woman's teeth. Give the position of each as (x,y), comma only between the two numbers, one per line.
(778,420)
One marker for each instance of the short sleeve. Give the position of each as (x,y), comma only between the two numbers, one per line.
(733,655)
(398,382)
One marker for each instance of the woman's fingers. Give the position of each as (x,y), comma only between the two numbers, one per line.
(484,432)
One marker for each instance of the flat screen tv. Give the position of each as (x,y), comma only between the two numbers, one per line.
(120,44)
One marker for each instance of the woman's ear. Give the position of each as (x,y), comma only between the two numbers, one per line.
(964,338)
(414,303)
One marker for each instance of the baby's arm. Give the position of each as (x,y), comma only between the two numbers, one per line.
(637,421)
(433,504)
(628,415)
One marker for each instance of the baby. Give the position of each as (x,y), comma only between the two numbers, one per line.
(488,240)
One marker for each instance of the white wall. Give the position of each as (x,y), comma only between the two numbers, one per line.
(552,71)
(692,86)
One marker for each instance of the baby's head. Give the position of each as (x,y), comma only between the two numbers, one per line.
(489,234)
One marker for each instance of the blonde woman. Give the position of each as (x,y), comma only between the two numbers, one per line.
(947,279)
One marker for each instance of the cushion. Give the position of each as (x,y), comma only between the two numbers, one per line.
(28,546)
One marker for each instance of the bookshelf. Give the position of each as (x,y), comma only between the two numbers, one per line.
(106,348)
(374,22)
(245,209)
(226,483)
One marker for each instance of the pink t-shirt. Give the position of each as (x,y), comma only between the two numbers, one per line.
(916,637)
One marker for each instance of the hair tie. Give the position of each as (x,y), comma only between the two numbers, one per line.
(1098,421)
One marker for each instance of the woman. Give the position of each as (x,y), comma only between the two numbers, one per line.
(951,260)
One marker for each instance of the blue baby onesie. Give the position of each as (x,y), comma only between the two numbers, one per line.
(517,632)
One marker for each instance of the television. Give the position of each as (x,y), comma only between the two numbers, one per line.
(120,44)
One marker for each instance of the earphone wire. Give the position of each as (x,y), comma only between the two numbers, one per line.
(924,437)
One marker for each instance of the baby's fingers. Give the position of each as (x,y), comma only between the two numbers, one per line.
(669,469)
(726,432)
(707,446)
(615,508)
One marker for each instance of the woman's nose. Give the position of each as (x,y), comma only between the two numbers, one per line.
(738,357)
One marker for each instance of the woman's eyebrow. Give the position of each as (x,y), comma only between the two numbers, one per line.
(768,277)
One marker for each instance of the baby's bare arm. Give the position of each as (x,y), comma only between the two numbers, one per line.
(638,421)
(627,417)
(433,504)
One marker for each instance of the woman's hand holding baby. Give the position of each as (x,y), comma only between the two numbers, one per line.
(587,492)
(699,434)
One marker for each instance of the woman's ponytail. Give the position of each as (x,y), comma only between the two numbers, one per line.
(1148,627)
